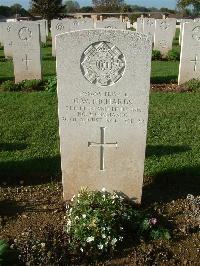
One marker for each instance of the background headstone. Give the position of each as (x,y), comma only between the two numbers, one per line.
(111,24)
(103,94)
(58,27)
(181,28)
(81,24)
(8,34)
(164,34)
(189,67)
(26,51)
(139,27)
(149,26)
(43,34)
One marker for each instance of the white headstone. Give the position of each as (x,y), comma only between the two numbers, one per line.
(139,27)
(110,24)
(8,38)
(149,26)
(164,34)
(43,35)
(189,67)
(181,28)
(172,22)
(26,51)
(81,24)
(58,27)
(103,95)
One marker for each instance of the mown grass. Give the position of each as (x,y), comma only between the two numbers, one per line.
(29,142)
(162,71)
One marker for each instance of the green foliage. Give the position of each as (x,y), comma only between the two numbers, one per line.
(108,6)
(193,85)
(71,6)
(48,9)
(25,85)
(173,55)
(7,255)
(156,55)
(9,85)
(98,221)
(51,84)
(31,85)
(133,18)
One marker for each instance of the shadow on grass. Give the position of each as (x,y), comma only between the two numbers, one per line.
(172,184)
(12,146)
(2,79)
(164,79)
(161,150)
(30,172)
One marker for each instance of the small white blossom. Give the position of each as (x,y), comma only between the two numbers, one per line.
(120,238)
(72,199)
(103,236)
(113,242)
(100,246)
(42,245)
(121,228)
(103,189)
(90,239)
(76,218)
(84,216)
(81,249)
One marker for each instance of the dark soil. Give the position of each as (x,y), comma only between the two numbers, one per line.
(170,87)
(32,219)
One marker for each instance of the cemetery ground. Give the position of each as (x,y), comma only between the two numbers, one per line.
(31,207)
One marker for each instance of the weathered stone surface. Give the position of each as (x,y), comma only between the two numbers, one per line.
(81,24)
(139,27)
(103,94)
(149,26)
(189,67)
(164,34)
(43,35)
(58,27)
(110,24)
(8,38)
(181,28)
(26,51)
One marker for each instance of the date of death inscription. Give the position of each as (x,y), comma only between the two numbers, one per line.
(103,107)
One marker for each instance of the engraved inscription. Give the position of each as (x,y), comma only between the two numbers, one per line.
(26,60)
(102,146)
(195,61)
(60,26)
(102,64)
(104,107)
(196,33)
(8,28)
(76,23)
(150,22)
(25,34)
(163,43)
(164,25)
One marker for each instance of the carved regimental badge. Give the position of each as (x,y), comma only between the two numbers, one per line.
(196,33)
(102,64)
(25,34)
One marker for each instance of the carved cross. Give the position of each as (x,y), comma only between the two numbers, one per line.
(195,61)
(26,60)
(102,146)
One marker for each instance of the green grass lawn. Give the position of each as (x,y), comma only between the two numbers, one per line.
(29,142)
(162,71)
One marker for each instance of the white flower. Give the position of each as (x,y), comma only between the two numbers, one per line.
(108,228)
(120,238)
(103,236)
(72,199)
(100,246)
(90,239)
(113,242)
(84,216)
(81,249)
(42,245)
(76,218)
(121,228)
(103,189)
